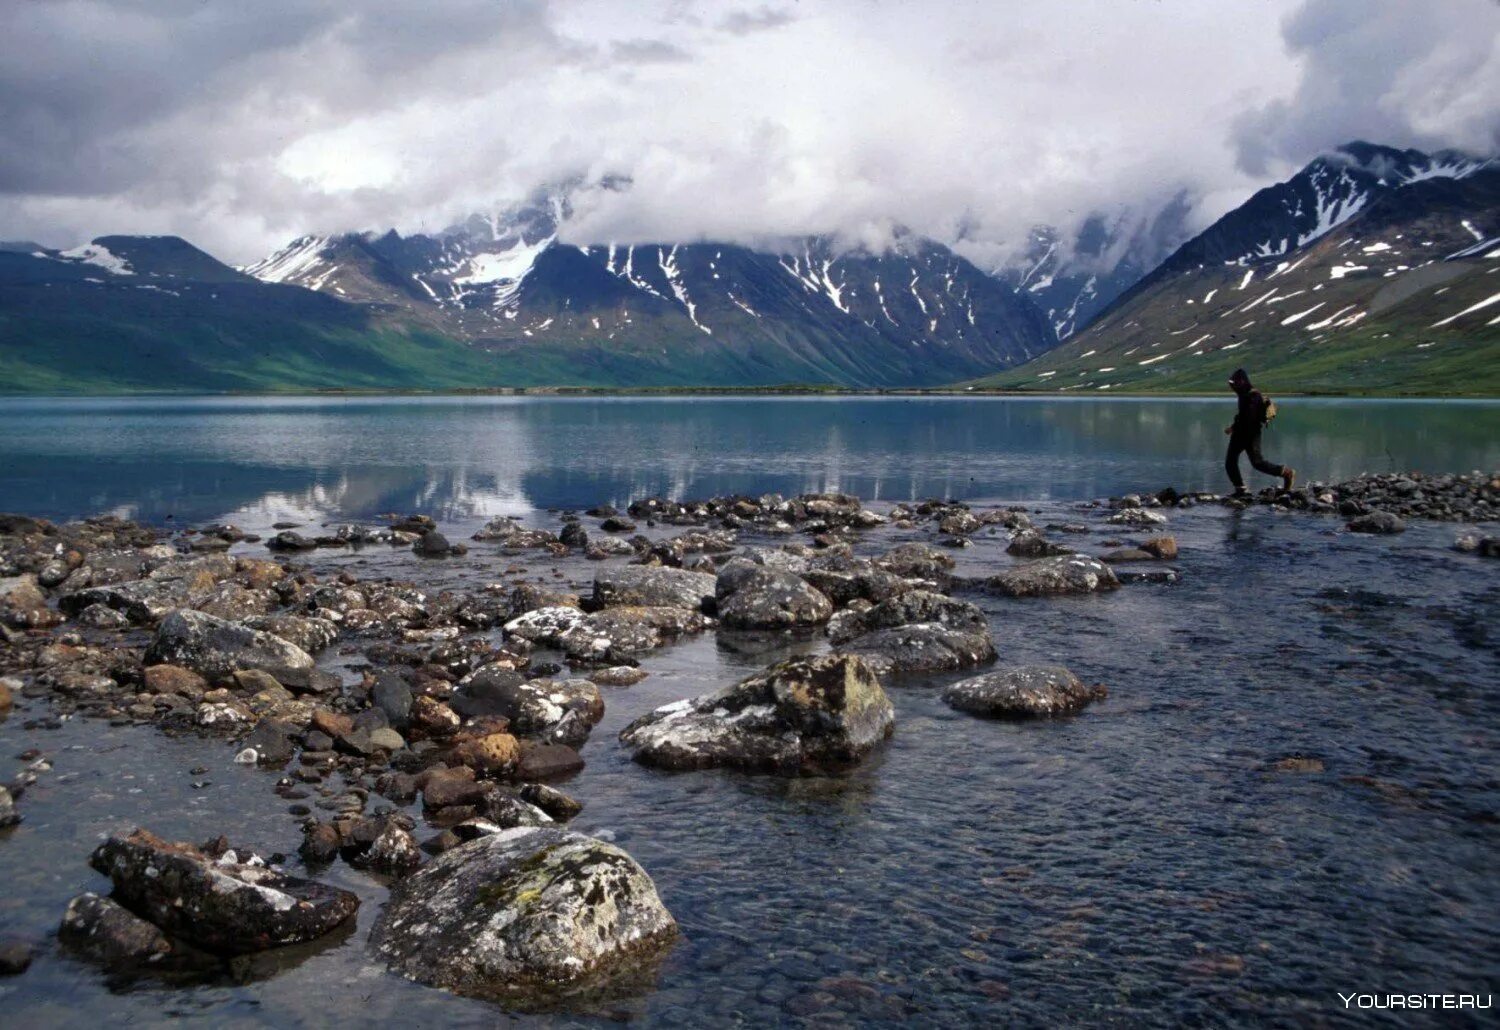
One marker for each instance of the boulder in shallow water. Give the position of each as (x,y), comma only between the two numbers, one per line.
(1377,522)
(773,599)
(524,915)
(918,631)
(217,647)
(1022,692)
(650,586)
(552,711)
(1137,517)
(801,716)
(220,905)
(105,932)
(1065,574)
(1030,543)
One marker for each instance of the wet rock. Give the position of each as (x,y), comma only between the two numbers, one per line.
(547,761)
(651,586)
(1163,547)
(772,599)
(24,606)
(222,714)
(1030,543)
(617,676)
(433,544)
(551,711)
(917,560)
(289,540)
(551,801)
(272,742)
(320,843)
(310,634)
(1066,574)
(1137,574)
(8,688)
(395,851)
(545,626)
(393,696)
(223,906)
(384,738)
(575,536)
(216,648)
(918,631)
(103,931)
(15,957)
(99,616)
(1377,522)
(617,524)
(1473,543)
(1137,517)
(174,679)
(622,633)
(494,754)
(522,914)
(1022,692)
(1126,554)
(432,718)
(801,716)
(9,815)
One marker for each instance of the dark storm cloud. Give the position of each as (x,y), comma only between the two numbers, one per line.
(242,124)
(1404,74)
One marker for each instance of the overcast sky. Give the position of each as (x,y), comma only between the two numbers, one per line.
(240,125)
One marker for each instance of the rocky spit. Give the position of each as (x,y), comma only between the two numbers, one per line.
(417,725)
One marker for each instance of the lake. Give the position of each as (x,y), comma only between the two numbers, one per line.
(1149,861)
(194,459)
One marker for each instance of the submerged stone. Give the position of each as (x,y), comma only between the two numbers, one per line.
(1022,692)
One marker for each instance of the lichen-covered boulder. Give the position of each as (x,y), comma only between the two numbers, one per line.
(524,915)
(647,585)
(552,711)
(773,599)
(801,716)
(220,905)
(1065,574)
(217,647)
(619,634)
(917,631)
(1022,692)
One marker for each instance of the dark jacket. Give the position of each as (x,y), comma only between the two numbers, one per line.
(1251,415)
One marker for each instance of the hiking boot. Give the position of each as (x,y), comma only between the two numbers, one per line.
(1288,477)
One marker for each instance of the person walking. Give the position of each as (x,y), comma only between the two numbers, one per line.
(1244,435)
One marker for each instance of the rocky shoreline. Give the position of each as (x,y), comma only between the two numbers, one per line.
(415,726)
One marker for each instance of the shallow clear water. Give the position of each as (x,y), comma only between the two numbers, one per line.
(1141,863)
(202,458)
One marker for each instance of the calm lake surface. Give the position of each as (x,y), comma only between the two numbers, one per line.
(459,457)
(1144,863)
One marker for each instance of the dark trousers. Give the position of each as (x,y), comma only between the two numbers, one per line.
(1247,443)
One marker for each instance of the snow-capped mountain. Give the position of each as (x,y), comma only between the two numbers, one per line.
(1073,279)
(1381,274)
(918,314)
(1325,194)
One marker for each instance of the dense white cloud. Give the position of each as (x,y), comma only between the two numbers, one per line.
(241,125)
